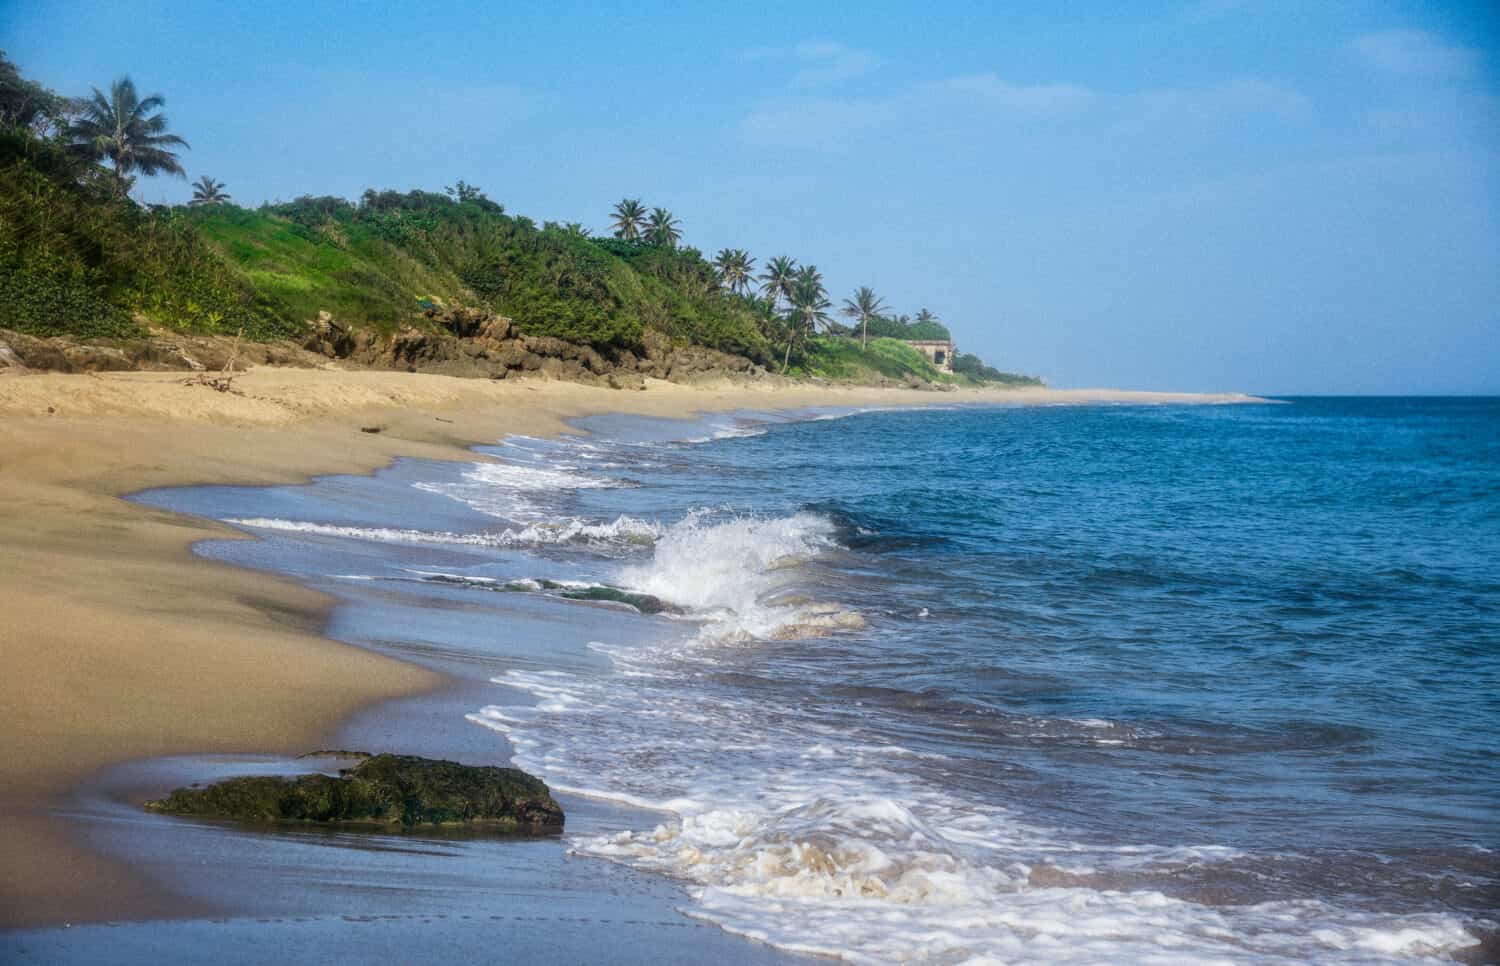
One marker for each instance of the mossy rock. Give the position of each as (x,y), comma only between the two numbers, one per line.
(383,790)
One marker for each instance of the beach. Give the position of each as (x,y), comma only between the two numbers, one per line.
(121,645)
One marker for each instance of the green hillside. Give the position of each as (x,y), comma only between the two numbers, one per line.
(78,257)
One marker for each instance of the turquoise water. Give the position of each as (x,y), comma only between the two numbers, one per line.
(1071,684)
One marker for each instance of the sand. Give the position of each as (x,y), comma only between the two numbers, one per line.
(119,644)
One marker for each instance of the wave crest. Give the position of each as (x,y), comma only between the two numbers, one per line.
(738,575)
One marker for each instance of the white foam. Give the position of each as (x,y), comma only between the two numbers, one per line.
(818,836)
(523,490)
(728,573)
(626,530)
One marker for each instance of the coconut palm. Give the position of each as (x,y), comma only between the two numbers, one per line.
(663,229)
(207,191)
(735,269)
(629,218)
(808,310)
(865,305)
(126,130)
(925,315)
(576,229)
(776,281)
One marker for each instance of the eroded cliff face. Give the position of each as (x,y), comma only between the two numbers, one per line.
(456,342)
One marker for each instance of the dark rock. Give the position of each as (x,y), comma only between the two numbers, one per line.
(645,603)
(509,353)
(383,790)
(596,363)
(96,358)
(546,346)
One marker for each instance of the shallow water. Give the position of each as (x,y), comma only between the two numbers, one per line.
(1093,684)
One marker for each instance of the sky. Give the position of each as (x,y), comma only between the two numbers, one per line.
(1251,195)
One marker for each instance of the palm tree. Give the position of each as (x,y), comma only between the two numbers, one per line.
(207,191)
(126,130)
(776,281)
(809,309)
(629,219)
(662,229)
(925,315)
(576,229)
(735,268)
(864,306)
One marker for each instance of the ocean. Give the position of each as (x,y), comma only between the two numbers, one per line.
(1071,684)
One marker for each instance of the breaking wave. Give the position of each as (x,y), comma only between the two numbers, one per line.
(742,576)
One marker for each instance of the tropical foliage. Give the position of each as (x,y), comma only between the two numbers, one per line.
(629,219)
(663,229)
(126,130)
(27,105)
(736,270)
(777,280)
(207,191)
(864,306)
(78,256)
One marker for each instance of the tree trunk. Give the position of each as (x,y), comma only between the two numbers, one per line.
(788,360)
(864,333)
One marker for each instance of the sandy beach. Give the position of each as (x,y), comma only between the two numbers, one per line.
(119,644)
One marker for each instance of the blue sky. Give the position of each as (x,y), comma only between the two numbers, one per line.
(1209,194)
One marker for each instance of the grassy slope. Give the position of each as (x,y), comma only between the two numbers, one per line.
(841,358)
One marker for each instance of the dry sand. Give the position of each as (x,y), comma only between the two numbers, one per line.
(117,643)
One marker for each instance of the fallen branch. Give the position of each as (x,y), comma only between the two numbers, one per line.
(224,380)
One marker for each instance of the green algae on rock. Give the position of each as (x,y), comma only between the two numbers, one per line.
(384,790)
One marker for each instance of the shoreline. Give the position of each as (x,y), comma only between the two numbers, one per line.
(122,644)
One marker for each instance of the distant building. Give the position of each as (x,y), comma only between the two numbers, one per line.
(939,352)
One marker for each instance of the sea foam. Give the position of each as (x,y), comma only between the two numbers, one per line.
(819,837)
(736,574)
(626,530)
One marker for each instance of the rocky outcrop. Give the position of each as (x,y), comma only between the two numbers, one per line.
(455,341)
(159,352)
(470,342)
(382,790)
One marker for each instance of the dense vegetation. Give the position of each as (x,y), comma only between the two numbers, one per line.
(78,256)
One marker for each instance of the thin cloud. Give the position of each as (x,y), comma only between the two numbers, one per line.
(815,122)
(1204,10)
(1238,97)
(1030,100)
(1413,53)
(824,62)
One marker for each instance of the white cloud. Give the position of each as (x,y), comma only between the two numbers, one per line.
(824,62)
(1031,100)
(1413,53)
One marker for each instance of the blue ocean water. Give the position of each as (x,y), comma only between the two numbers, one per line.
(1061,684)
